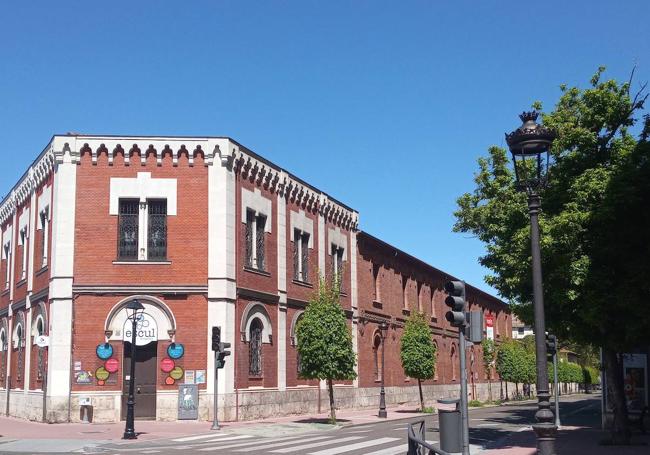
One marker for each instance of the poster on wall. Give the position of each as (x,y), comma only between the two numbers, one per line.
(489,326)
(188,402)
(635,379)
(200,377)
(189,376)
(83,377)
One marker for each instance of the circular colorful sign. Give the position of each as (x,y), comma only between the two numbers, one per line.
(175,350)
(169,381)
(176,373)
(104,351)
(167,365)
(100,382)
(101,374)
(112,365)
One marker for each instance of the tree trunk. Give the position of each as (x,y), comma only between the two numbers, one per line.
(616,396)
(421,396)
(489,386)
(516,389)
(330,387)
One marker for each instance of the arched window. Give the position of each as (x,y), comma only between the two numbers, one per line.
(255,348)
(3,353)
(435,369)
(295,343)
(19,344)
(453,362)
(376,344)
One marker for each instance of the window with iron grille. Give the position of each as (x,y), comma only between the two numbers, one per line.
(40,362)
(304,243)
(337,264)
(157,230)
(128,229)
(375,353)
(7,248)
(300,256)
(44,236)
(254,237)
(21,343)
(296,254)
(255,348)
(3,354)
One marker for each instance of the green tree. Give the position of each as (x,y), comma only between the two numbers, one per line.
(325,340)
(417,351)
(512,363)
(594,226)
(489,359)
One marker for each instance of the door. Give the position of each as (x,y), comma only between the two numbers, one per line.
(145,380)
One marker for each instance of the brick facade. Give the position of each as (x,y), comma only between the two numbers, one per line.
(217,271)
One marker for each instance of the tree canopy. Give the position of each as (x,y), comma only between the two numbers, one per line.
(417,351)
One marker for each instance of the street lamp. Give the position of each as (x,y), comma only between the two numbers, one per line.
(530,145)
(129,431)
(383,330)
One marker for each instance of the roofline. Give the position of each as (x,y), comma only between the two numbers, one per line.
(429,266)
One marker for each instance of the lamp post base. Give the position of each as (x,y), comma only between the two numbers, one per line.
(382,413)
(129,435)
(546,433)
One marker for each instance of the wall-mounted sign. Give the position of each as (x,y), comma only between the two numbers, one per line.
(175,350)
(169,381)
(85,401)
(42,341)
(200,377)
(176,373)
(83,377)
(112,365)
(104,351)
(189,376)
(489,326)
(188,402)
(146,329)
(101,374)
(167,365)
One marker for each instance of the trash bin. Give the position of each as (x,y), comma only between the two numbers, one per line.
(450,426)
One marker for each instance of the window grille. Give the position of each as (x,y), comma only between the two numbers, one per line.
(255,348)
(248,233)
(19,369)
(259,238)
(375,353)
(296,254)
(157,234)
(40,363)
(337,265)
(3,354)
(304,244)
(44,234)
(128,230)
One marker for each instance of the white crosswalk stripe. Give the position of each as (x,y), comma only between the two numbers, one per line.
(315,444)
(397,450)
(264,442)
(356,446)
(286,443)
(196,438)
(230,438)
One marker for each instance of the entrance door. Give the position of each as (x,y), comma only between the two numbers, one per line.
(145,380)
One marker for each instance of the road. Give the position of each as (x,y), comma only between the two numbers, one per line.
(487,427)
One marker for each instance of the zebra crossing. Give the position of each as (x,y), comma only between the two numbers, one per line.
(333,443)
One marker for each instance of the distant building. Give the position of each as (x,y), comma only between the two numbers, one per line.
(520,329)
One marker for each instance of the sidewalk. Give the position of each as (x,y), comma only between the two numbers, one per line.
(570,440)
(11,428)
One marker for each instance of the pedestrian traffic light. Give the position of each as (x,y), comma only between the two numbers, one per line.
(222,354)
(216,337)
(456,301)
(551,345)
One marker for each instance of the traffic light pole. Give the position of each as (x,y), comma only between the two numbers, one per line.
(215,422)
(463,390)
(557,390)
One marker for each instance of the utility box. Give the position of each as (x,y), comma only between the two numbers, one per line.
(450,427)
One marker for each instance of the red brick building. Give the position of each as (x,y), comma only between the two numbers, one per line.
(203,232)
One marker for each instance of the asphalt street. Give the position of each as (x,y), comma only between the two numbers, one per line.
(487,427)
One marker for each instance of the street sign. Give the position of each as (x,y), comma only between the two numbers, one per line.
(489,326)
(42,341)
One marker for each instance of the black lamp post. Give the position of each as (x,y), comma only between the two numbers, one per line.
(529,145)
(383,329)
(129,430)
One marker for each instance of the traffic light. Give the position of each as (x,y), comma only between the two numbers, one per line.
(551,345)
(456,301)
(222,354)
(216,337)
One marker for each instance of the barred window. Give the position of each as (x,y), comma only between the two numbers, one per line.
(304,244)
(128,229)
(296,254)
(254,234)
(7,249)
(44,236)
(157,230)
(40,354)
(300,256)
(337,264)
(20,334)
(255,348)
(3,353)
(375,352)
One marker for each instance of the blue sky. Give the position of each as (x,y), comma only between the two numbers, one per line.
(384,105)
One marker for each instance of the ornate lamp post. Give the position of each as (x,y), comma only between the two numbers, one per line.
(529,145)
(383,330)
(129,430)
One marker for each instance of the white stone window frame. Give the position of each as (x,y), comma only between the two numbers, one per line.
(6,253)
(256,310)
(43,223)
(35,332)
(144,189)
(3,339)
(339,241)
(254,202)
(301,223)
(18,341)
